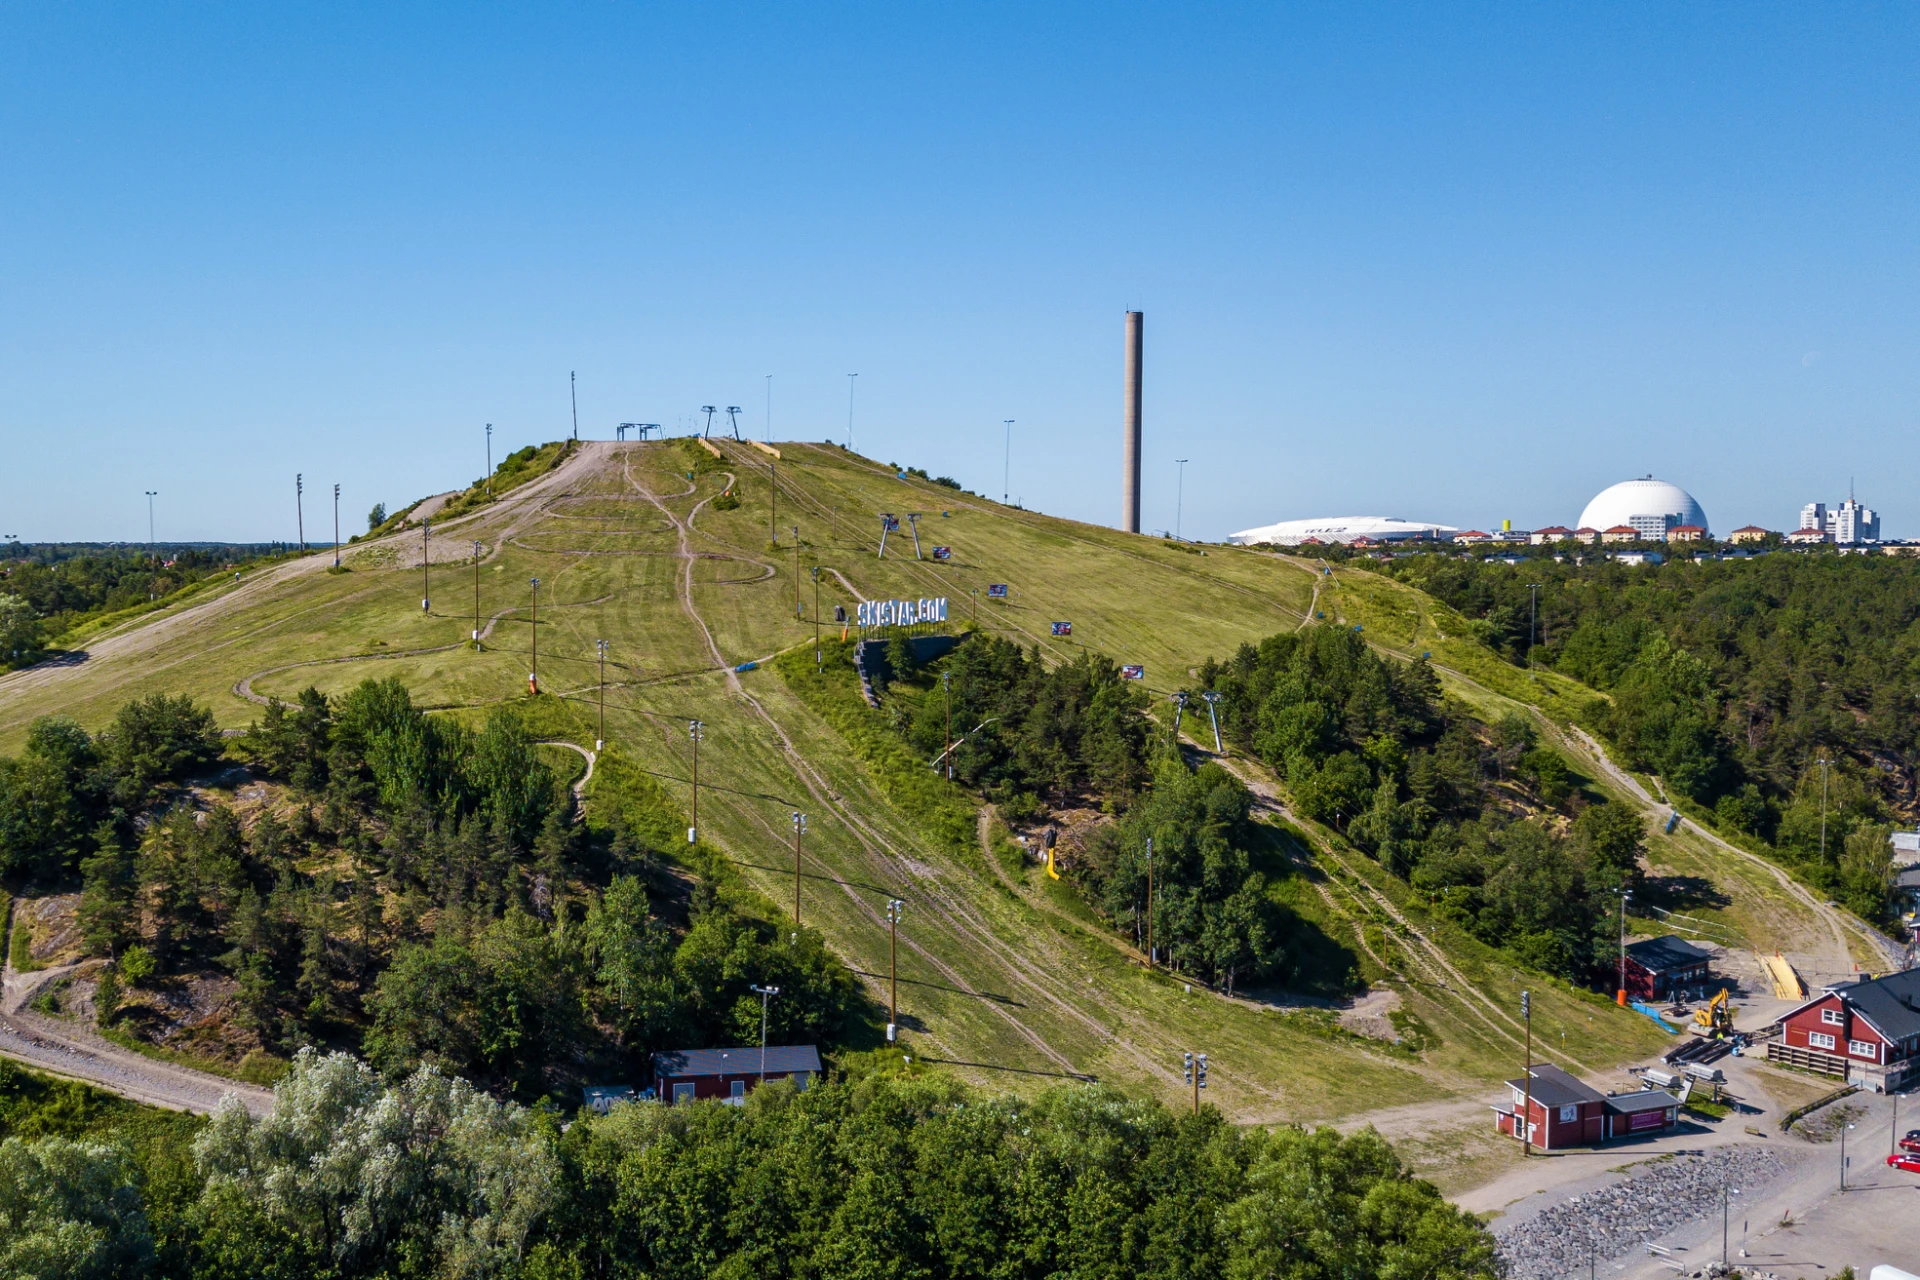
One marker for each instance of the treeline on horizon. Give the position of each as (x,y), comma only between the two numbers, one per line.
(416,890)
(1730,681)
(878,1175)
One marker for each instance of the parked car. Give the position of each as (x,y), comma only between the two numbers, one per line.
(1911,1142)
(1903,1161)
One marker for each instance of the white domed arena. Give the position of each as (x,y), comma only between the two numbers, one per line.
(1648,506)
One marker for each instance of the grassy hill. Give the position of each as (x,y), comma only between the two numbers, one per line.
(1003,973)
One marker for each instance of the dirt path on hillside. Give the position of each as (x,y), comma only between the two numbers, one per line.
(68,1049)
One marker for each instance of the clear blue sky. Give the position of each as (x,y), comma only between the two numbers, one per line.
(1435,261)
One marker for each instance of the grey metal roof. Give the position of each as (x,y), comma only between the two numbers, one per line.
(1553,1087)
(1891,1004)
(1658,955)
(781,1058)
(1645,1100)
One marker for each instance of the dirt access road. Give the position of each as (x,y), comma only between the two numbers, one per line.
(64,1049)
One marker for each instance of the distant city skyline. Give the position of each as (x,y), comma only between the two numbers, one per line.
(1457,266)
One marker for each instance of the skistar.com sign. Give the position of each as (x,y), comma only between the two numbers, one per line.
(902,613)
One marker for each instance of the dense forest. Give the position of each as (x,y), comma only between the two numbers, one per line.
(879,1175)
(410,887)
(48,590)
(1730,681)
(1483,818)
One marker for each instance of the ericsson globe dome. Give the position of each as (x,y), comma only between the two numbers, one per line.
(1647,505)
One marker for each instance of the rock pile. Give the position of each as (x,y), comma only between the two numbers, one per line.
(1620,1218)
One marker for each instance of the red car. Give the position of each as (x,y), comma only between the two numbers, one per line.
(1902,1161)
(1911,1142)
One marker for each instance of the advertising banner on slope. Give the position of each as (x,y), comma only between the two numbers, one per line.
(996,591)
(1133,671)
(1063,628)
(902,613)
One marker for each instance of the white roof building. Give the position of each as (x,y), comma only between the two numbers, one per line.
(1291,533)
(1649,507)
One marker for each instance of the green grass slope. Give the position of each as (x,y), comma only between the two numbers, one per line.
(1001,973)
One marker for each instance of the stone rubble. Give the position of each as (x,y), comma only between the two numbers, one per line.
(1621,1218)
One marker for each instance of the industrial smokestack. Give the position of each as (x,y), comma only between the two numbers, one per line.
(1130,431)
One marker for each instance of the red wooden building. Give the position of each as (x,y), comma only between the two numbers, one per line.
(1567,1112)
(1657,968)
(687,1075)
(1865,1032)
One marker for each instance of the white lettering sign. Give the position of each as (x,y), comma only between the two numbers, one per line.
(902,613)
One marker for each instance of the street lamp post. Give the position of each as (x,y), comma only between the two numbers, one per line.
(1621,996)
(799,829)
(816,618)
(476,594)
(1843,1157)
(1526,1117)
(765,994)
(300,508)
(895,909)
(600,741)
(426,561)
(489,462)
(336,526)
(696,730)
(796,571)
(1179,497)
(1726,1199)
(533,625)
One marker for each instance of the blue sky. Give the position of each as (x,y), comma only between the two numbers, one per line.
(1449,262)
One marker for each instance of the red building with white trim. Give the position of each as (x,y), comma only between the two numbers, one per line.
(1866,1032)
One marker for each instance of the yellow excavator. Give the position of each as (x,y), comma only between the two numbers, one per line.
(1715,1018)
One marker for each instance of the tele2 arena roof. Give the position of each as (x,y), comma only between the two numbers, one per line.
(1291,533)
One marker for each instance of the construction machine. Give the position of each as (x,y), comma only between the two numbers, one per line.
(1715,1018)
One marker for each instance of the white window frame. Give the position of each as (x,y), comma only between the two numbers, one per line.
(1819,1040)
(1864,1049)
(1833,1017)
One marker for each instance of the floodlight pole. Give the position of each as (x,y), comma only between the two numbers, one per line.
(1150,956)
(895,909)
(1533,626)
(773,505)
(336,526)
(1179,497)
(489,462)
(850,378)
(299,508)
(533,678)
(946,687)
(1624,895)
(799,829)
(1006,463)
(796,572)
(695,730)
(816,618)
(573,398)
(765,994)
(1825,763)
(600,742)
(1526,1119)
(426,559)
(476,593)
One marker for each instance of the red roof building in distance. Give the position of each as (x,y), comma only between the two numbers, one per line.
(1311,542)
(1586,535)
(1749,533)
(1686,533)
(1807,537)
(1364,541)
(1620,533)
(1552,533)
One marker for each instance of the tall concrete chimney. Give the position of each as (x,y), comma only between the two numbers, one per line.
(1130,431)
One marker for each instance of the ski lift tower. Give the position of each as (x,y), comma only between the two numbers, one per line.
(913,522)
(733,419)
(709,410)
(1213,703)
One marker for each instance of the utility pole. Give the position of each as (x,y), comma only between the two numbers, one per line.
(336,526)
(696,730)
(1622,997)
(426,559)
(1526,1118)
(765,994)
(946,687)
(476,594)
(850,378)
(1726,1200)
(796,573)
(600,742)
(1533,626)
(1196,1076)
(773,505)
(1150,956)
(300,508)
(895,909)
(1824,765)
(489,462)
(817,663)
(1006,463)
(1179,497)
(799,829)
(533,677)
(573,397)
